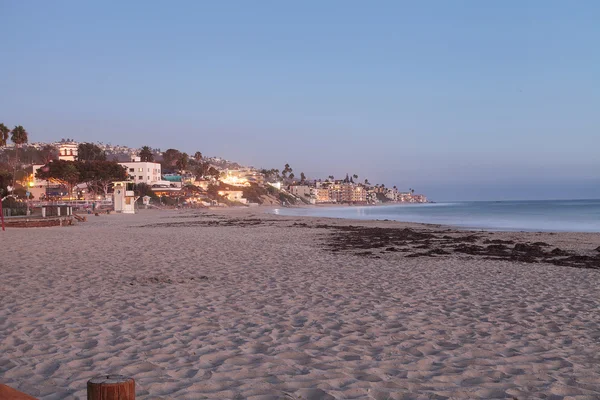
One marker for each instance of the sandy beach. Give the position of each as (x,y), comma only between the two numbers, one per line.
(239,304)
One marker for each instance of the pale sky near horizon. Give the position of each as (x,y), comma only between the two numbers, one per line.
(461,100)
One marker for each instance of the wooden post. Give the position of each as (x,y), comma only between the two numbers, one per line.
(111,387)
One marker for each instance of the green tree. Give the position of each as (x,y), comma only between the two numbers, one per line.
(271,175)
(21,193)
(6,179)
(98,175)
(213,192)
(71,177)
(198,156)
(64,172)
(90,152)
(170,158)
(48,153)
(302,177)
(182,162)
(201,170)
(4,131)
(292,176)
(146,154)
(143,189)
(254,193)
(213,172)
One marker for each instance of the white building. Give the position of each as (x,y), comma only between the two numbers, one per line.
(67,151)
(301,191)
(392,194)
(143,172)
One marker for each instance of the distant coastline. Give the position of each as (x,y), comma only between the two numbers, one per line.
(540,216)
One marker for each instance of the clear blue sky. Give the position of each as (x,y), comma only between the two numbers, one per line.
(457,99)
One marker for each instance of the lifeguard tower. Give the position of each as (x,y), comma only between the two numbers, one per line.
(123,199)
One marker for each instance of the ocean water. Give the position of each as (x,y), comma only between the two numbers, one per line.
(547,215)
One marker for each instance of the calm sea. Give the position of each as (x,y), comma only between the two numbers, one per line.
(548,215)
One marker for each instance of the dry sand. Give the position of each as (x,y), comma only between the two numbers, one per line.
(264,310)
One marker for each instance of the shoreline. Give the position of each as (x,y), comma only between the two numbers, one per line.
(476,224)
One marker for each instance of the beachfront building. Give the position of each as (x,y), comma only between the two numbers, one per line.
(165,188)
(242,177)
(371,197)
(142,171)
(347,193)
(392,194)
(322,195)
(67,151)
(233,195)
(301,190)
(305,192)
(359,194)
(409,197)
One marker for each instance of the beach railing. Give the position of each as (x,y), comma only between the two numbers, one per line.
(8,393)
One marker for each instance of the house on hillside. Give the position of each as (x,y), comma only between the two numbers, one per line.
(67,151)
(233,195)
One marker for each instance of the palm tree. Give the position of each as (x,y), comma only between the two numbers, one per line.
(146,154)
(286,170)
(198,156)
(19,138)
(4,131)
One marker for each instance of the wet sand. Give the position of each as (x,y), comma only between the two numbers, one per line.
(241,304)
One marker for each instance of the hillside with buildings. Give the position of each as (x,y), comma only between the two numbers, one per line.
(69,170)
